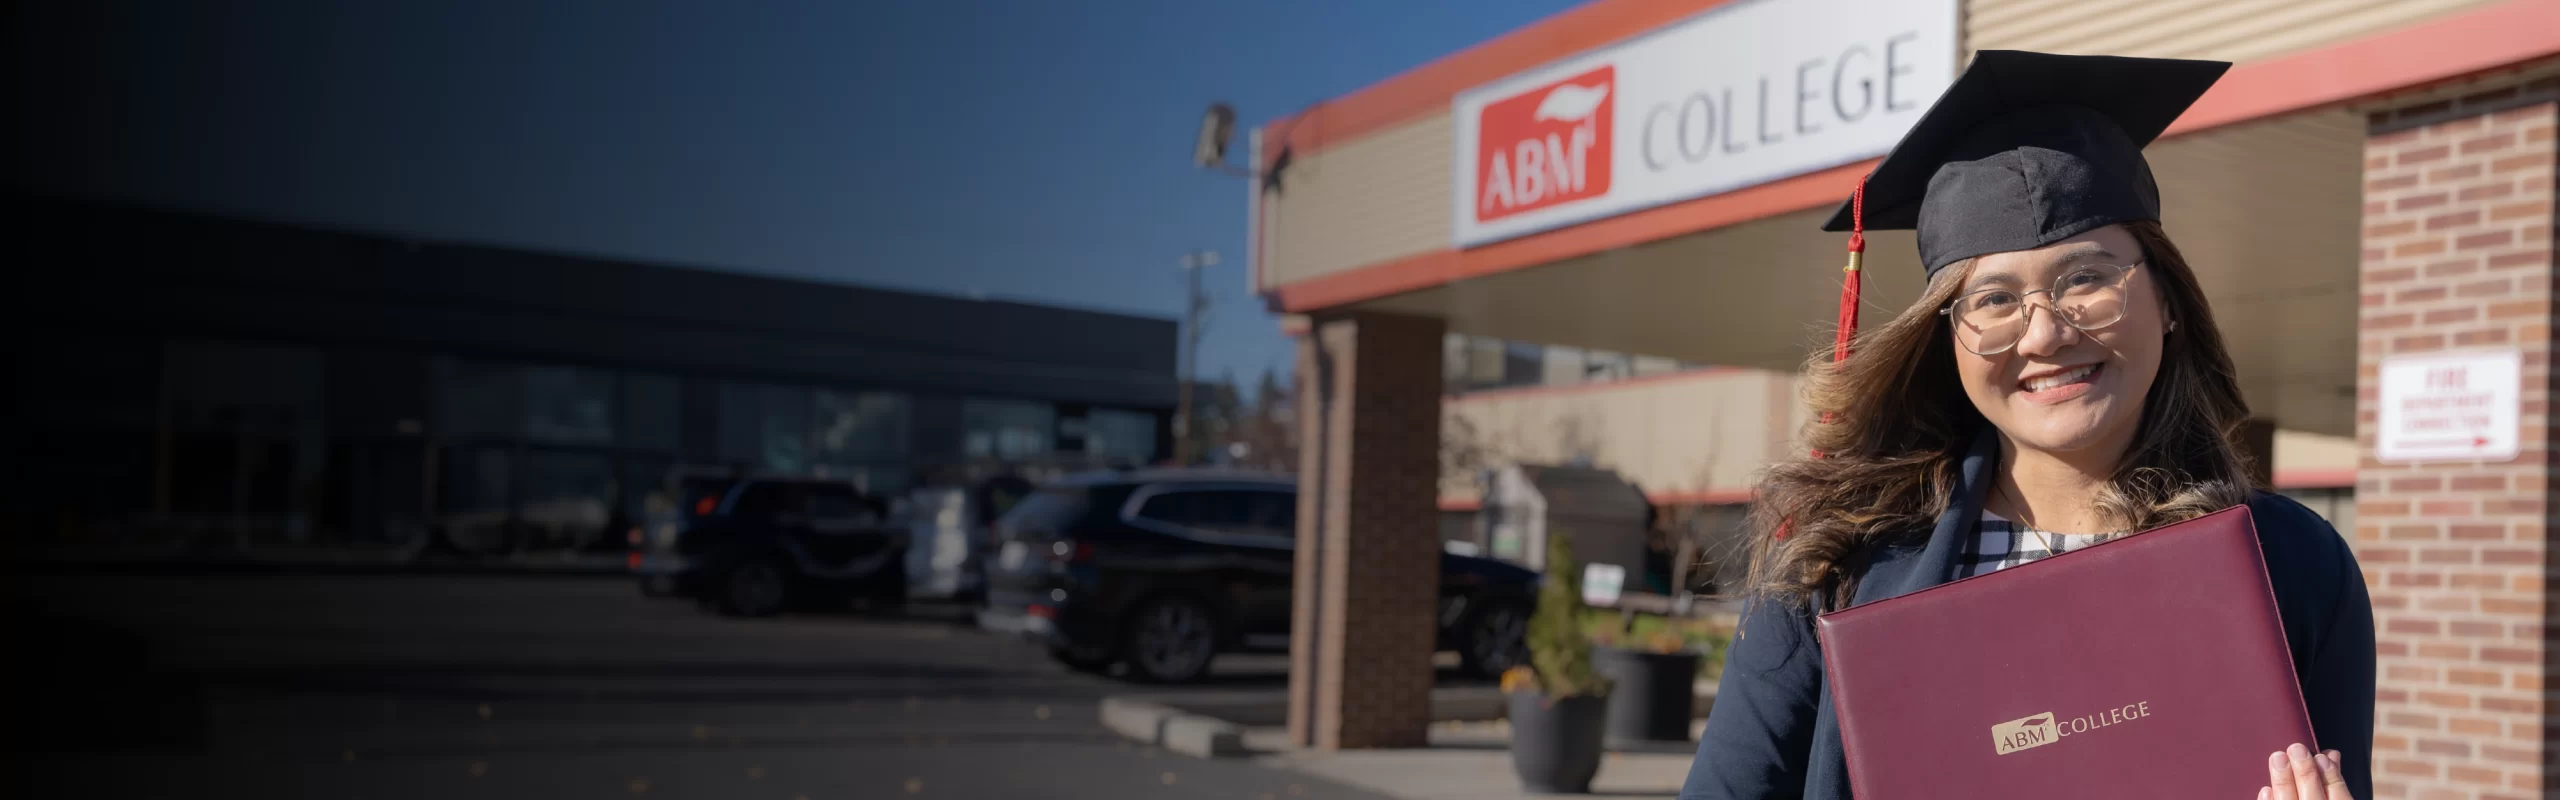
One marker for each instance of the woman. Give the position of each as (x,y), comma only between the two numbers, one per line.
(2060,381)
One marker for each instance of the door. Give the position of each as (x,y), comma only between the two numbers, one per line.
(842,532)
(766,515)
(1237,546)
(1271,520)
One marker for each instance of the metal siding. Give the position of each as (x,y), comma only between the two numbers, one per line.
(2229,30)
(1353,204)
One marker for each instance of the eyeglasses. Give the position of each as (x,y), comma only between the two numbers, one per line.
(2088,297)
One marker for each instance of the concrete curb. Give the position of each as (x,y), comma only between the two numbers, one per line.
(1203,737)
(1195,735)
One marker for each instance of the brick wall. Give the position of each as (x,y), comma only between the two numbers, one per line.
(1363,623)
(2457,255)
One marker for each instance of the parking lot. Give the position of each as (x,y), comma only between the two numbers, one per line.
(414,686)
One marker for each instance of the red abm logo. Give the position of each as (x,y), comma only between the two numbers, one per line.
(1545,147)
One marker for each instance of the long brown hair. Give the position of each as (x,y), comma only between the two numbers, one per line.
(1901,425)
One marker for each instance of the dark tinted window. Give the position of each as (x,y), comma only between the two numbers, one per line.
(1273,512)
(1175,508)
(1237,511)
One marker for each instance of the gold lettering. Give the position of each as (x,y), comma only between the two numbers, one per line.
(2146,707)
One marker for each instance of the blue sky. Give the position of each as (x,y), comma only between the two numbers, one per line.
(1035,151)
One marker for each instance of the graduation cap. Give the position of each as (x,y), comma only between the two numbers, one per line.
(2023,150)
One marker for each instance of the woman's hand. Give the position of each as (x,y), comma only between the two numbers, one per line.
(2298,774)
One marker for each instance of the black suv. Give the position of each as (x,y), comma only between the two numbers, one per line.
(1163,570)
(753,547)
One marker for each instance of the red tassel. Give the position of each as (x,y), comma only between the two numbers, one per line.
(1849,286)
(1848,324)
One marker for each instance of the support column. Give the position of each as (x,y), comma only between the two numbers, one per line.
(1363,621)
(2258,443)
(2458,256)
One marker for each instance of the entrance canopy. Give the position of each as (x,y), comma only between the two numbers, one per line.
(1515,189)
(2266,213)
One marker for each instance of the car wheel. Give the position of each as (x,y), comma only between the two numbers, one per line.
(1495,639)
(754,588)
(1169,640)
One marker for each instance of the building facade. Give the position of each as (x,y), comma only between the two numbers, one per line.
(272,384)
(2368,188)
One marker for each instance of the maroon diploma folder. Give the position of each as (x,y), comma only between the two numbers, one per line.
(2149,666)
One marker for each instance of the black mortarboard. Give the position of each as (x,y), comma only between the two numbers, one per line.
(2027,149)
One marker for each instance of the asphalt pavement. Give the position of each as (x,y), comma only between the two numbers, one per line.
(558,687)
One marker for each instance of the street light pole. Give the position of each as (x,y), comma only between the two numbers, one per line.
(1194,306)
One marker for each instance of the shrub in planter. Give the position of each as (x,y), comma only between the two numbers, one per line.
(1558,703)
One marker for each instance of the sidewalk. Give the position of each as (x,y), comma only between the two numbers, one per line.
(1469,755)
(1470,760)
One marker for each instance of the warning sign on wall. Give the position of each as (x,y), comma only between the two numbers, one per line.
(2455,407)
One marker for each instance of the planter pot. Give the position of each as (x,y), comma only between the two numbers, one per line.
(1555,744)
(1651,693)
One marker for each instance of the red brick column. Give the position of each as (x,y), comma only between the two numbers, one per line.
(1363,622)
(2457,255)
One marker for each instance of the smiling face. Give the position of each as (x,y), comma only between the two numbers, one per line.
(2059,389)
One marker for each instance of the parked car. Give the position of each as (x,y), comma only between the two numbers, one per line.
(1163,570)
(755,546)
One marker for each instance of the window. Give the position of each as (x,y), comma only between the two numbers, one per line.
(1272,513)
(475,398)
(765,426)
(1129,435)
(1007,429)
(568,496)
(652,416)
(1173,508)
(1607,366)
(1241,512)
(861,428)
(476,479)
(1523,364)
(568,405)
